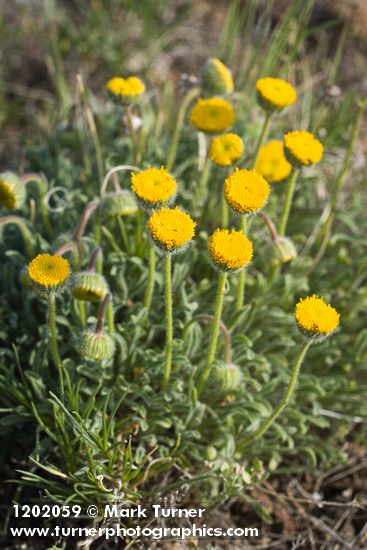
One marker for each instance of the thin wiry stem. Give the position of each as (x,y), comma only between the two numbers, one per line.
(169,322)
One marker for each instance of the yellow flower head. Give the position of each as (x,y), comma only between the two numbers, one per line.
(213,115)
(171,228)
(48,272)
(154,186)
(302,148)
(126,89)
(272,163)
(12,191)
(216,78)
(89,286)
(275,94)
(246,191)
(226,149)
(230,250)
(316,317)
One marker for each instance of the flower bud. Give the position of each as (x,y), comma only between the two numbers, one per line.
(12,191)
(228,376)
(97,345)
(216,78)
(121,203)
(89,286)
(211,453)
(283,251)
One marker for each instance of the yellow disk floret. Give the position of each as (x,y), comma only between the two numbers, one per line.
(315,316)
(302,148)
(171,228)
(230,250)
(213,115)
(226,149)
(246,191)
(48,271)
(127,89)
(153,186)
(272,163)
(275,93)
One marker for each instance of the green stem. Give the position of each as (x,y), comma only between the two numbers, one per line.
(284,402)
(42,190)
(26,233)
(263,135)
(82,315)
(202,189)
(225,212)
(242,275)
(191,94)
(53,339)
(288,202)
(215,330)
(110,318)
(151,277)
(138,232)
(134,138)
(169,322)
(123,233)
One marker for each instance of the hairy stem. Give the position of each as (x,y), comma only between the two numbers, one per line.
(284,402)
(242,275)
(169,322)
(53,340)
(151,277)
(262,137)
(214,338)
(191,94)
(288,202)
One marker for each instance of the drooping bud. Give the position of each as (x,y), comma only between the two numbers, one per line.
(216,78)
(121,203)
(228,376)
(12,191)
(284,251)
(89,286)
(97,345)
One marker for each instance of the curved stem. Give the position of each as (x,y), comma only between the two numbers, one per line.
(169,321)
(102,312)
(216,324)
(284,402)
(26,234)
(288,202)
(53,339)
(88,211)
(42,189)
(191,94)
(242,275)
(263,135)
(119,168)
(151,277)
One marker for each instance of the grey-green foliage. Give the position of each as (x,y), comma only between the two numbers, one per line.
(116,435)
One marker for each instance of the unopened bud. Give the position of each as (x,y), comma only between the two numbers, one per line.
(121,203)
(284,251)
(12,191)
(89,286)
(216,78)
(97,345)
